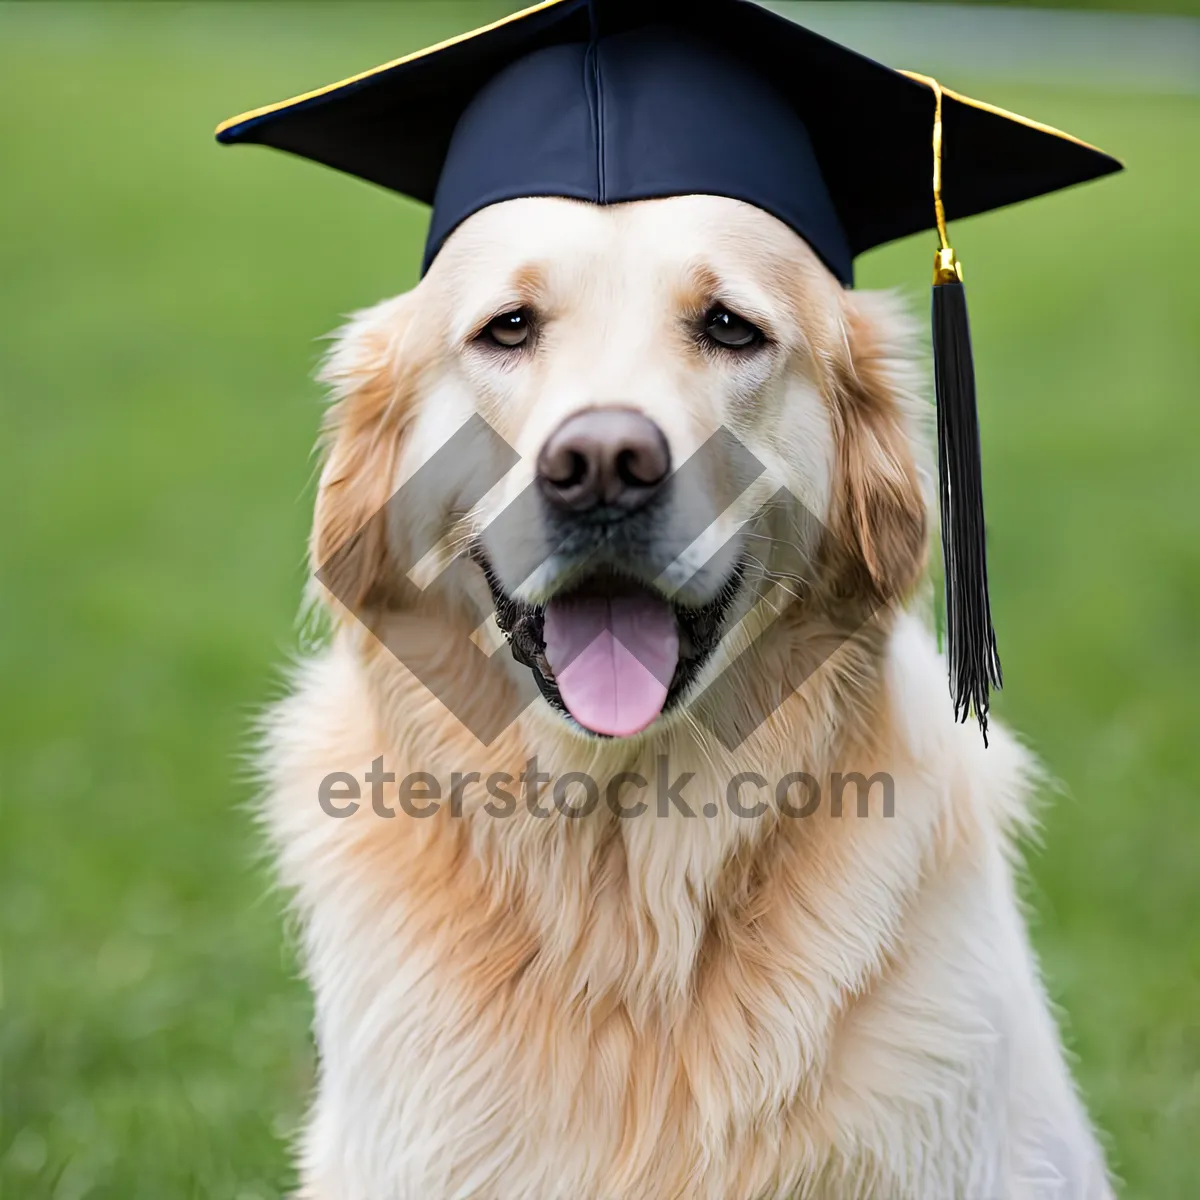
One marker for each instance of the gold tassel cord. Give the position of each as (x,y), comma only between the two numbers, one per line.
(946,267)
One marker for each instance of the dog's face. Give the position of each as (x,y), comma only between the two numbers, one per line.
(695,424)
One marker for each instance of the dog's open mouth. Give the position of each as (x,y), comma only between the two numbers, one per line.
(609,650)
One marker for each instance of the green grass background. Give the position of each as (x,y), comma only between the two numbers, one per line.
(161,302)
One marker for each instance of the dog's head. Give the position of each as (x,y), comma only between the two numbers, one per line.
(642,426)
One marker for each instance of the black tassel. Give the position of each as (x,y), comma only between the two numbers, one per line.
(970,639)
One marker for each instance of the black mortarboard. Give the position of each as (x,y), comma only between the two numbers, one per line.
(618,100)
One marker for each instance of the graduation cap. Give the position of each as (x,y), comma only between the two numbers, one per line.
(610,101)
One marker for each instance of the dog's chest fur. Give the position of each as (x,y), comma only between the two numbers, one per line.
(668,1008)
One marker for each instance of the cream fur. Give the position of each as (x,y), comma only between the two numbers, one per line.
(719,1009)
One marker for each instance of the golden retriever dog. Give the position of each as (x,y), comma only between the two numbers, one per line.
(725,980)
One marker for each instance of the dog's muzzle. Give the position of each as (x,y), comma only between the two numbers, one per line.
(607,643)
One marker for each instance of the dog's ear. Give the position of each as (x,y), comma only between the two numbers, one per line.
(879,517)
(372,376)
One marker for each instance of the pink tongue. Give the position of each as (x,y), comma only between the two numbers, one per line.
(613,658)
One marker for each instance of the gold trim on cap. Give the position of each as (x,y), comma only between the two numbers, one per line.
(995,110)
(387,66)
(946,267)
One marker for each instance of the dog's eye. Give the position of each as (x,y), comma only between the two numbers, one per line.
(729,330)
(509,329)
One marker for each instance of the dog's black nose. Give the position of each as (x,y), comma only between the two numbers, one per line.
(611,457)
